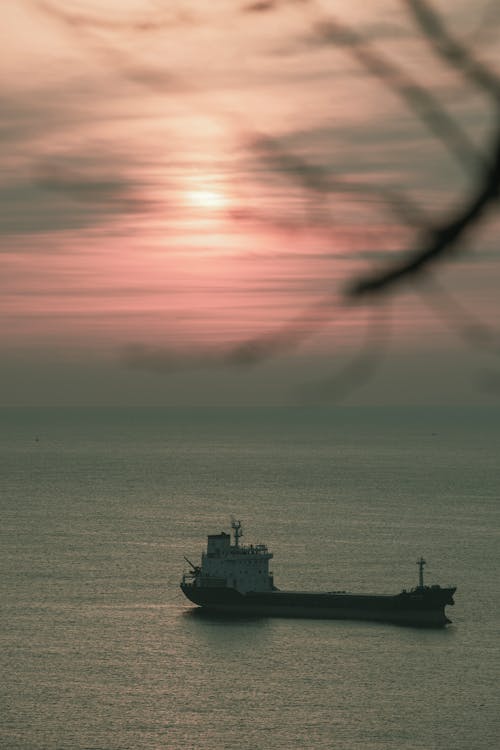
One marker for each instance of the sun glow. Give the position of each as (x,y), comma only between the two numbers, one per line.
(209,199)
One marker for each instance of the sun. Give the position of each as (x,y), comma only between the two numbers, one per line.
(208,199)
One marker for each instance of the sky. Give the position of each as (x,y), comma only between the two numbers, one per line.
(189,190)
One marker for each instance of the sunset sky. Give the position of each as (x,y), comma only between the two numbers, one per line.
(188,188)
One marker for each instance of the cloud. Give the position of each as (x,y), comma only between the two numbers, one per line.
(150,22)
(249,352)
(162,359)
(57,173)
(29,117)
(67,192)
(323,180)
(260,6)
(264,6)
(108,39)
(85,185)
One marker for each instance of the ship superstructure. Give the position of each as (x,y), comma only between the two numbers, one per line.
(235,579)
(240,567)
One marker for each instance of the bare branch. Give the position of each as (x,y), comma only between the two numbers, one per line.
(423,103)
(473,331)
(360,368)
(440,241)
(321,181)
(458,55)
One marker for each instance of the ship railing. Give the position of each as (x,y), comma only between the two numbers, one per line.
(251,549)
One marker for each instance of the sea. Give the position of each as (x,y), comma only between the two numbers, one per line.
(101,651)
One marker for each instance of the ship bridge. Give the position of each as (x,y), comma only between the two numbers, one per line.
(241,567)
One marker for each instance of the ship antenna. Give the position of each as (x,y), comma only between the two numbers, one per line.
(238,531)
(421,564)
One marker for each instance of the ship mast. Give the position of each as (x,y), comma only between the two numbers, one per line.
(238,531)
(421,564)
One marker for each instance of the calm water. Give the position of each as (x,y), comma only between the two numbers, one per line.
(100,649)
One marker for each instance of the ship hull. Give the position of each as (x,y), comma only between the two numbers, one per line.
(419,608)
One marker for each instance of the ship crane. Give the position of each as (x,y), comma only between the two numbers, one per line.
(195,568)
(234,579)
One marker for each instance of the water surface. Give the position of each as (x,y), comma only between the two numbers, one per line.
(101,650)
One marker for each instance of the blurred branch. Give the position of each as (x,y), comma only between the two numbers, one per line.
(435,241)
(457,54)
(417,98)
(362,366)
(438,241)
(488,24)
(322,182)
(473,331)
(444,239)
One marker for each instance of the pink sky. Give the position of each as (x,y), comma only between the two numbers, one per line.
(167,194)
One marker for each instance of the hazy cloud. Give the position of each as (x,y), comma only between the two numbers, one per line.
(231,192)
(164,359)
(67,192)
(151,21)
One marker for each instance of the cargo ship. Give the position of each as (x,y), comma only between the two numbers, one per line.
(234,579)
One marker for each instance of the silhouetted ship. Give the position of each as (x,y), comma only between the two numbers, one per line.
(234,579)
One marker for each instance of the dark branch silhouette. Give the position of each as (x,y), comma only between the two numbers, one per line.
(445,238)
(436,240)
(458,318)
(417,98)
(359,368)
(457,54)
